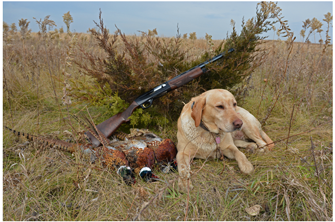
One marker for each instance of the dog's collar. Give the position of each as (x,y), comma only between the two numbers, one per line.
(192,105)
(202,125)
(216,136)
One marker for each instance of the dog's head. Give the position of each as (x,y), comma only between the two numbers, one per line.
(217,109)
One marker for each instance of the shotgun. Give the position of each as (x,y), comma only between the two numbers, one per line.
(145,100)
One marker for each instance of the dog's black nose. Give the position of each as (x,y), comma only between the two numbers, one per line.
(237,124)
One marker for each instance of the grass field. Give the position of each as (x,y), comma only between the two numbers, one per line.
(290,93)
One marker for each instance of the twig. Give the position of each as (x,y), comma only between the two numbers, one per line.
(311,166)
(286,66)
(270,110)
(318,174)
(38,104)
(310,91)
(293,135)
(289,129)
(319,113)
(8,97)
(131,206)
(262,95)
(152,199)
(202,166)
(52,81)
(287,207)
(316,166)
(188,199)
(276,205)
(224,165)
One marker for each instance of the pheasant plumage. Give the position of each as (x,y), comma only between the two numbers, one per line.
(140,150)
(113,158)
(57,144)
(165,151)
(139,158)
(127,174)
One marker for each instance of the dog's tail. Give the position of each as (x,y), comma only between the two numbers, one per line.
(267,140)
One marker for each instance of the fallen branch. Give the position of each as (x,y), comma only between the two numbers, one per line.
(293,135)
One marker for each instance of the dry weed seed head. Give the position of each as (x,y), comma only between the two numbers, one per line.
(5,27)
(43,25)
(25,32)
(68,61)
(67,18)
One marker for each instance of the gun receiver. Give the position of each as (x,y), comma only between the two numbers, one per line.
(145,100)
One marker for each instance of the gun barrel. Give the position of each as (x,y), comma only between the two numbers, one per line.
(145,100)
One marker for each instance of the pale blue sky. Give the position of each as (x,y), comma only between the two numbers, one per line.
(200,17)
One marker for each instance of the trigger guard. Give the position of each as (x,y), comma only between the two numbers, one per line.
(146,107)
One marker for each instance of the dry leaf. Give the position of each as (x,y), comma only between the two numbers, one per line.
(142,193)
(254,210)
(67,132)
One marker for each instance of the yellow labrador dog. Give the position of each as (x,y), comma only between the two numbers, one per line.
(211,125)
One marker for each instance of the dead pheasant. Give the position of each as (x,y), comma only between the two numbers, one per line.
(164,151)
(138,153)
(112,158)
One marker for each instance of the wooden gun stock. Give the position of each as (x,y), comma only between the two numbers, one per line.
(109,126)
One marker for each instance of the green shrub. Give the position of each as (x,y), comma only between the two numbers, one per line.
(133,66)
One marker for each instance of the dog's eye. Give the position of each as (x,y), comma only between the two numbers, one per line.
(220,107)
(235,104)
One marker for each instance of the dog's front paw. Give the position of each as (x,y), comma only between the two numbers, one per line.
(251,148)
(245,166)
(184,185)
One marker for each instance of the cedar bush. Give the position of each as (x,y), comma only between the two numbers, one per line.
(131,66)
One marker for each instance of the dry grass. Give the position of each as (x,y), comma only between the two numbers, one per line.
(292,182)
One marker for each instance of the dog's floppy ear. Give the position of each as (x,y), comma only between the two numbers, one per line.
(197,107)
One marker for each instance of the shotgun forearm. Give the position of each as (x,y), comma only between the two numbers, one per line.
(183,79)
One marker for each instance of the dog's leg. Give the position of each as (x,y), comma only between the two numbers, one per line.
(267,140)
(244,144)
(183,161)
(256,136)
(233,153)
(252,129)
